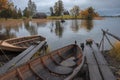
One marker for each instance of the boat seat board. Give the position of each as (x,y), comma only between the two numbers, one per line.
(66,54)
(44,73)
(57,58)
(62,70)
(57,69)
(68,62)
(54,60)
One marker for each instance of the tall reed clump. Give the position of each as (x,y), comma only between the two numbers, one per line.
(115,52)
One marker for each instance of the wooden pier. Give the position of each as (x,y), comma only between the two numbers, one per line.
(22,57)
(98,68)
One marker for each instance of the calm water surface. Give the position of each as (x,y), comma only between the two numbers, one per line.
(60,34)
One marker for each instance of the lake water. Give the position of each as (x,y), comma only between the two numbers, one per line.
(60,34)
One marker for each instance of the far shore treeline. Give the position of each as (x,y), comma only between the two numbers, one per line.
(57,11)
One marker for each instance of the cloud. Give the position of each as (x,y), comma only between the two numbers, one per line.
(44,5)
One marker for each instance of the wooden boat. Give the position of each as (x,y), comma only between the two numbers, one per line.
(61,64)
(20,44)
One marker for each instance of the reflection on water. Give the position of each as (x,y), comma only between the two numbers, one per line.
(6,32)
(87,24)
(58,29)
(75,25)
(60,34)
(31,28)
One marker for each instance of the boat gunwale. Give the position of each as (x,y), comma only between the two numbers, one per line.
(24,37)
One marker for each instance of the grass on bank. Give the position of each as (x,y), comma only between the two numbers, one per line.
(10,22)
(71,17)
(63,17)
(17,22)
(115,52)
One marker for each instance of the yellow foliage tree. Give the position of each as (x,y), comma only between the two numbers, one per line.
(3,4)
(89,13)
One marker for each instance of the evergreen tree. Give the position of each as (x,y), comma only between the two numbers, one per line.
(6,13)
(15,13)
(31,7)
(66,12)
(26,12)
(51,11)
(58,8)
(19,13)
(90,13)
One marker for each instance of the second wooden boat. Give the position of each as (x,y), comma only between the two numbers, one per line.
(20,44)
(61,64)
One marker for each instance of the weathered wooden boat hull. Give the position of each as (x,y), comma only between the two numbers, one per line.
(20,44)
(61,64)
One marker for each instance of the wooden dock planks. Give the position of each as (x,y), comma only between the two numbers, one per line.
(21,58)
(97,65)
(94,73)
(103,65)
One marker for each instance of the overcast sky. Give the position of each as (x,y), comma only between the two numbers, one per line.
(44,5)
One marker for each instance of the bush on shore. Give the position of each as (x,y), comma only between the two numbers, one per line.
(115,52)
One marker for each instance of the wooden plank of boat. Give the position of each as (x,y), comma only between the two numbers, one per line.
(44,68)
(51,66)
(69,62)
(21,43)
(22,58)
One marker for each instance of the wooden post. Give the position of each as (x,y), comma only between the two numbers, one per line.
(109,41)
(111,34)
(75,42)
(103,44)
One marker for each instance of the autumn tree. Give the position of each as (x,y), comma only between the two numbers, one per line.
(3,4)
(31,7)
(89,13)
(75,11)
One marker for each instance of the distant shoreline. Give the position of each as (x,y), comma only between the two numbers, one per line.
(17,22)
